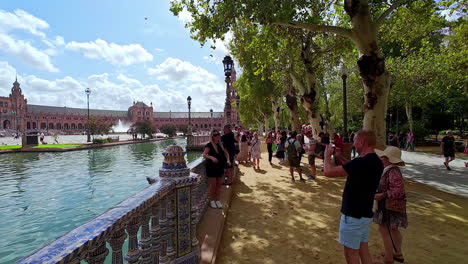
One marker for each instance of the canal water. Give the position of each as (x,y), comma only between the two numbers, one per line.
(44,195)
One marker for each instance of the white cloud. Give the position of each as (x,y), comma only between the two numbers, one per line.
(115,54)
(185,17)
(206,89)
(177,71)
(118,92)
(22,20)
(26,52)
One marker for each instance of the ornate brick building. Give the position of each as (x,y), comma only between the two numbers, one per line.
(17,115)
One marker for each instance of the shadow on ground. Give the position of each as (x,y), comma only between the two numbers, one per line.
(273,220)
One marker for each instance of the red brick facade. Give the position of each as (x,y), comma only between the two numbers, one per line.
(17,115)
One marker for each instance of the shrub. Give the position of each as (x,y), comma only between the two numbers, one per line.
(99,141)
(418,129)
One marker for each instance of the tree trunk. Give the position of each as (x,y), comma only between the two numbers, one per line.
(260,128)
(266,122)
(327,121)
(276,111)
(371,64)
(409,112)
(291,102)
(309,90)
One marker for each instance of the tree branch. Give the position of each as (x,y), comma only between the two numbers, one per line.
(297,82)
(344,32)
(387,12)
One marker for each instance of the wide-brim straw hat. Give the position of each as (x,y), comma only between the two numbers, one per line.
(392,153)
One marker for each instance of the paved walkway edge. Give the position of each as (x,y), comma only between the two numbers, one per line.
(210,228)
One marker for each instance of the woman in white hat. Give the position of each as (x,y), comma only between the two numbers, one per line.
(391,211)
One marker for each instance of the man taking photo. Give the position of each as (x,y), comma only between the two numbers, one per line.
(363,177)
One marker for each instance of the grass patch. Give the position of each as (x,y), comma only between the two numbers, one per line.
(44,146)
(58,146)
(10,147)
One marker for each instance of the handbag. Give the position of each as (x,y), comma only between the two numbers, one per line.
(395,205)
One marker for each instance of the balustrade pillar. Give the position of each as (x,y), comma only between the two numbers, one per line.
(116,241)
(194,216)
(163,258)
(97,254)
(155,233)
(133,253)
(145,240)
(171,214)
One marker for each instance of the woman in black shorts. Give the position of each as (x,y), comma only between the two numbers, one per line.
(217,158)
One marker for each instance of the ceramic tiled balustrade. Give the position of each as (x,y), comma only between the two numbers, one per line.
(166,213)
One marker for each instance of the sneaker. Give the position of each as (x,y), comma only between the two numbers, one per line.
(219,205)
(311,177)
(302,180)
(213,204)
(447,166)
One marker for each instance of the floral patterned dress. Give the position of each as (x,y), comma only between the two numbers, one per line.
(255,151)
(391,184)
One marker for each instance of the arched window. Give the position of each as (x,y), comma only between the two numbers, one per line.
(65,126)
(43,125)
(28,125)
(72,126)
(34,126)
(58,126)
(51,125)
(80,126)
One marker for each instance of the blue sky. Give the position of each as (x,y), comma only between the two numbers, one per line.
(58,48)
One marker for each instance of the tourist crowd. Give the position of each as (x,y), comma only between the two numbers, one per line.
(374,189)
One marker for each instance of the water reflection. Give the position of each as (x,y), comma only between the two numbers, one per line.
(143,152)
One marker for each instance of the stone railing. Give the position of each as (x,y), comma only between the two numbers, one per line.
(164,214)
(197,142)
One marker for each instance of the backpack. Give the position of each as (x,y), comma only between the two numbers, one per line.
(292,152)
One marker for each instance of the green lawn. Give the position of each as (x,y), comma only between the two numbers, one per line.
(10,147)
(44,146)
(58,146)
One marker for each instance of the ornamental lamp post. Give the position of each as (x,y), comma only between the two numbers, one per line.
(189,103)
(88,136)
(211,123)
(228,63)
(344,75)
(238,112)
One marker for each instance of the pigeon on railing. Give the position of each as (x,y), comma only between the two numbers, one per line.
(151,180)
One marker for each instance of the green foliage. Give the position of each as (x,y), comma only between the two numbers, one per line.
(145,127)
(419,129)
(100,141)
(98,126)
(183,128)
(426,55)
(168,129)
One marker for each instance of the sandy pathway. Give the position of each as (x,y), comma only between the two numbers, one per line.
(273,220)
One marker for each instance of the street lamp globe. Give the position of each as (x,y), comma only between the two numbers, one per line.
(344,71)
(227,62)
(189,101)
(88,91)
